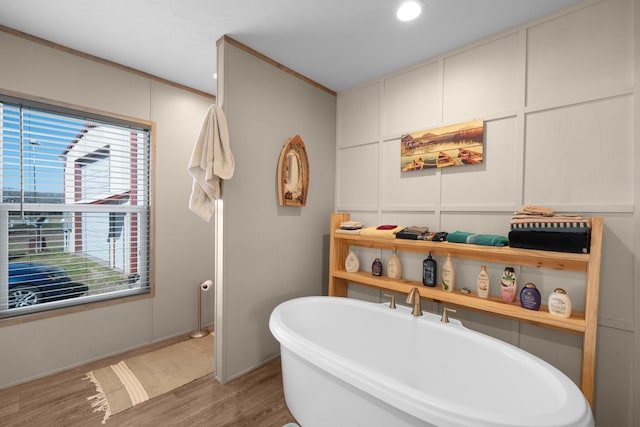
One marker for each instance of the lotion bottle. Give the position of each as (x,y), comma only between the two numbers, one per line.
(448,275)
(429,268)
(394,268)
(508,285)
(352,264)
(560,303)
(482,283)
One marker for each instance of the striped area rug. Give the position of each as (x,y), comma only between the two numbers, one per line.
(136,380)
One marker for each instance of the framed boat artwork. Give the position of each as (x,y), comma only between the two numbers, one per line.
(455,145)
(293,173)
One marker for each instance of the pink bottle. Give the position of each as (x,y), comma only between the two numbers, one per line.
(508,285)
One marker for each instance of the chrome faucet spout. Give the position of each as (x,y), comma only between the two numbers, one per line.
(414,298)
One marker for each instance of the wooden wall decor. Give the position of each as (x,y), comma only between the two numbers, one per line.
(293,173)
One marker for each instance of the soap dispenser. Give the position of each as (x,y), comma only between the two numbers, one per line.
(351,264)
(394,268)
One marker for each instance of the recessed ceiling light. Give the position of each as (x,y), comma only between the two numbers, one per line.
(215,75)
(409,10)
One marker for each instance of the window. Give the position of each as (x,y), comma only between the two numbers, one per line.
(75,207)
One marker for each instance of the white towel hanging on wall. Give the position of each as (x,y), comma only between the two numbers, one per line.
(211,161)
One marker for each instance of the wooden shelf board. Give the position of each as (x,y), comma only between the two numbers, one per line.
(504,255)
(493,305)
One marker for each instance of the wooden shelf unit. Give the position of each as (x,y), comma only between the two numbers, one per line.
(584,324)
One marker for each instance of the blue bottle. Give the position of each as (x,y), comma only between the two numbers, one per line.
(530,297)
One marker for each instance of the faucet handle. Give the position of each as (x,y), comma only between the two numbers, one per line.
(445,314)
(392,302)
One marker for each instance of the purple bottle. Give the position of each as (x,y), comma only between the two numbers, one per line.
(530,297)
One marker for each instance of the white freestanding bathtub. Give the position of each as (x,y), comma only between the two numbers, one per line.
(351,363)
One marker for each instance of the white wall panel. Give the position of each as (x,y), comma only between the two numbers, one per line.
(581,54)
(406,190)
(616,286)
(359,116)
(562,350)
(412,100)
(358,173)
(580,154)
(482,81)
(614,394)
(492,182)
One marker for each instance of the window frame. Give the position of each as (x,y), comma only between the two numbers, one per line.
(53,106)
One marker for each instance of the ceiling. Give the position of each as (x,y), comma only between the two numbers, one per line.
(338,43)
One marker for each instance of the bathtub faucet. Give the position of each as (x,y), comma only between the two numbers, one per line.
(414,298)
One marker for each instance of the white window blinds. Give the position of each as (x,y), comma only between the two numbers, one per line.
(74,209)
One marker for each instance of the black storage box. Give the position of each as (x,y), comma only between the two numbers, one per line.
(575,240)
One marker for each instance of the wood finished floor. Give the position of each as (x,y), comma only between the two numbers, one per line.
(253,400)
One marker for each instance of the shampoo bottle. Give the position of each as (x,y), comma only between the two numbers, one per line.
(351,264)
(376,267)
(448,275)
(429,267)
(394,268)
(482,283)
(560,303)
(530,297)
(508,285)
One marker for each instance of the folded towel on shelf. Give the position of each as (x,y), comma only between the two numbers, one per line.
(386,227)
(491,240)
(411,235)
(477,239)
(380,234)
(536,210)
(351,225)
(417,229)
(556,221)
(413,232)
(458,237)
(345,231)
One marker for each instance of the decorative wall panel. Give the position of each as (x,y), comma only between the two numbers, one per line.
(482,81)
(359,116)
(580,155)
(412,100)
(587,53)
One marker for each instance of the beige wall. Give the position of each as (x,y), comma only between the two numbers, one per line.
(184,242)
(271,253)
(557,96)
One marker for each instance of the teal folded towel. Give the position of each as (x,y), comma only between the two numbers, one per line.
(291,425)
(491,240)
(477,239)
(459,237)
